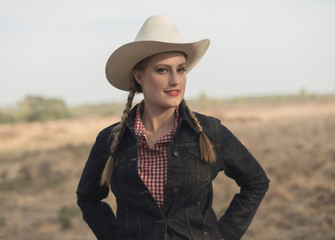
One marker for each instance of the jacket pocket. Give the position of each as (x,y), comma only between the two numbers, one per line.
(132,224)
(195,223)
(120,171)
(203,171)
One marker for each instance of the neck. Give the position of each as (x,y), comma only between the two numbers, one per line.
(158,121)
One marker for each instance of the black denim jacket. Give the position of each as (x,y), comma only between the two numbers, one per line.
(187,210)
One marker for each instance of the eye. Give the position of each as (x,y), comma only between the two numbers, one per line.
(161,70)
(181,70)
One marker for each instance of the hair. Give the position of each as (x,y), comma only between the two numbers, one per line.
(206,148)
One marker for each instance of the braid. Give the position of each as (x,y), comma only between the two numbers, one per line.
(108,170)
(206,148)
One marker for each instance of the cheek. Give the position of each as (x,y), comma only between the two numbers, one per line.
(183,84)
(152,85)
(156,82)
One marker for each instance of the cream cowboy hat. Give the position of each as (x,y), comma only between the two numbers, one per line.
(158,34)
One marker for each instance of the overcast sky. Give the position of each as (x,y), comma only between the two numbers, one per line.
(59,48)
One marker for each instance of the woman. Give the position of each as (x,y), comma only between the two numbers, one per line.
(161,158)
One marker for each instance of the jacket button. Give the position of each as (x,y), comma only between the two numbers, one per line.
(175,190)
(176,154)
(162,221)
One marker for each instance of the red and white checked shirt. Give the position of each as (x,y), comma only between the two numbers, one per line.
(153,162)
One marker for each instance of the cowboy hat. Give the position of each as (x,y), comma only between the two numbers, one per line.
(157,35)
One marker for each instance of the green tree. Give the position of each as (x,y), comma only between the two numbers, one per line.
(203,101)
(36,108)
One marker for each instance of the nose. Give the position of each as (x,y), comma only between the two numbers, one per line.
(175,78)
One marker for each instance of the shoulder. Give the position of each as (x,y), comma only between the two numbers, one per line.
(206,119)
(105,135)
(213,127)
(209,124)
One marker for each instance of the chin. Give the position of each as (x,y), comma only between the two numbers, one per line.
(170,105)
(175,103)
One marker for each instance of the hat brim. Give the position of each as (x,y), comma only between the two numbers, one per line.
(120,64)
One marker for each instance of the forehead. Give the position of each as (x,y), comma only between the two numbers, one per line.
(171,57)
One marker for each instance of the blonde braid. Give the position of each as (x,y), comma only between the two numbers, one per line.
(108,170)
(206,148)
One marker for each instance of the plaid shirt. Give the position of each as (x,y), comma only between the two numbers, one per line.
(153,162)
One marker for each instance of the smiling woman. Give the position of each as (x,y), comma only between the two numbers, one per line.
(163,81)
(161,158)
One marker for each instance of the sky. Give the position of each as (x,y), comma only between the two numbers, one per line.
(58,49)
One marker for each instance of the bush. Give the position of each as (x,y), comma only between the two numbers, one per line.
(35,108)
(3,221)
(65,215)
(5,117)
(41,109)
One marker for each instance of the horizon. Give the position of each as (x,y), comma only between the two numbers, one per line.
(57,50)
(302,94)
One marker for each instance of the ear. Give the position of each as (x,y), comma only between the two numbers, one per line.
(138,76)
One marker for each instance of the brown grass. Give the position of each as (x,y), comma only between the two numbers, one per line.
(40,165)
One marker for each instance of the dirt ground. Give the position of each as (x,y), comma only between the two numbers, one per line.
(40,165)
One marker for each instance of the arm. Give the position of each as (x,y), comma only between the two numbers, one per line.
(98,215)
(241,166)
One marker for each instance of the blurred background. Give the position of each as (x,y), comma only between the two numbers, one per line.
(268,75)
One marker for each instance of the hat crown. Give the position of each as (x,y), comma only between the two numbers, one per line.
(159,28)
(157,35)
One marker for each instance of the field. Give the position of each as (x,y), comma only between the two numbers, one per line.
(40,165)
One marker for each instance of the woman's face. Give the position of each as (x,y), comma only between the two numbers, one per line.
(163,80)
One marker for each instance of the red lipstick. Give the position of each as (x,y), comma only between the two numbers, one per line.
(173,92)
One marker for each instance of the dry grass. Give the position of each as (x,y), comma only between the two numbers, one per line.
(40,165)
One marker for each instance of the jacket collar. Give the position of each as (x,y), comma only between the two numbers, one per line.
(183,118)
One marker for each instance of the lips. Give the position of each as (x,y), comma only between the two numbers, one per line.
(173,92)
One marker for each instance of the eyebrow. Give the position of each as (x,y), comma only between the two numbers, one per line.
(167,65)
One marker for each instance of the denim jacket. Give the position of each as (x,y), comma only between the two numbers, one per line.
(187,211)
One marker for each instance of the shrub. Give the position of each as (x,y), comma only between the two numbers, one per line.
(65,215)
(36,108)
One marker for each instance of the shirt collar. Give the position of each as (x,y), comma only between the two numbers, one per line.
(182,116)
(139,128)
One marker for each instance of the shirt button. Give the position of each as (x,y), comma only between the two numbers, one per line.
(142,139)
(176,154)
(175,190)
